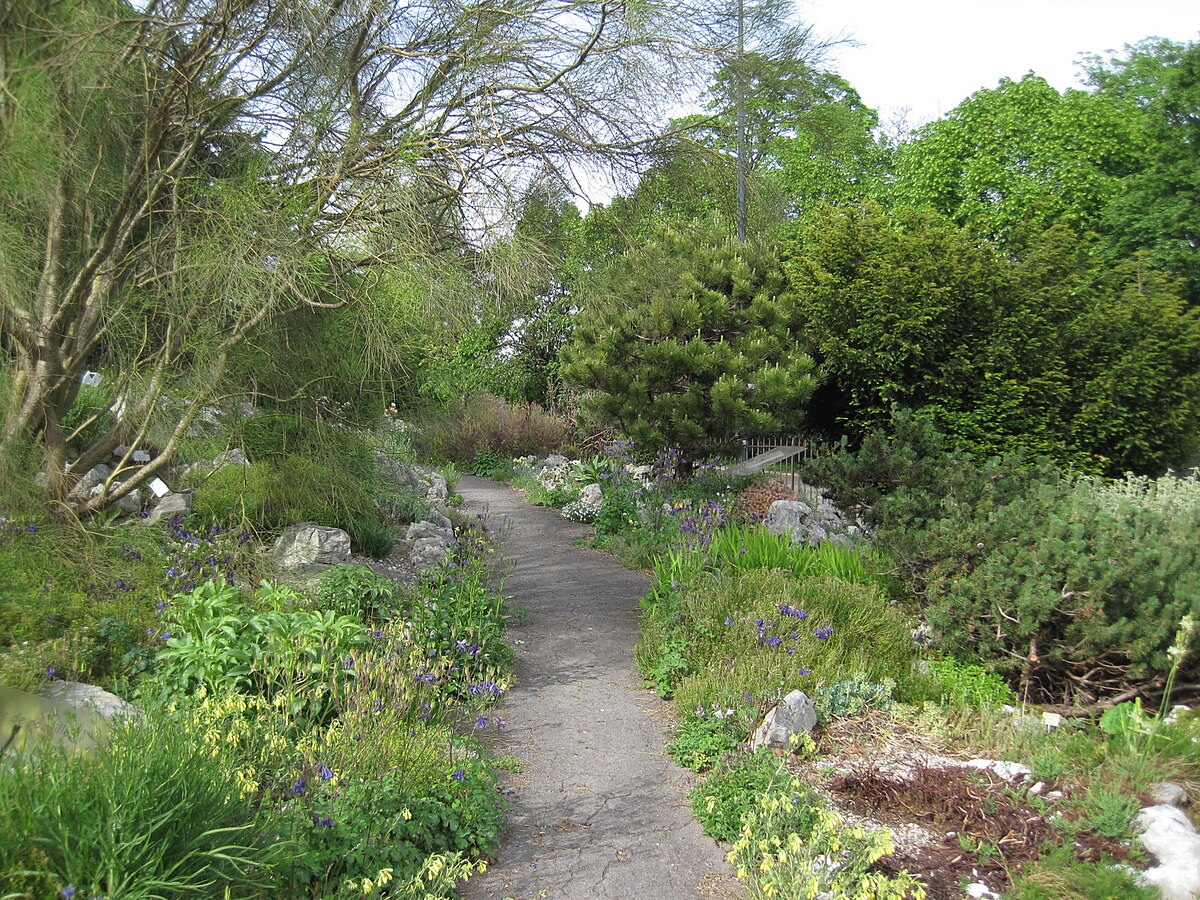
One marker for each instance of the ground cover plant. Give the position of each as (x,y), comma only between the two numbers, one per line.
(341,720)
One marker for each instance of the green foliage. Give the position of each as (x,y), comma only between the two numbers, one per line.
(1058,875)
(153,811)
(695,345)
(723,799)
(669,665)
(763,633)
(700,742)
(969,684)
(1046,348)
(459,622)
(216,637)
(291,489)
(372,538)
(363,825)
(1021,154)
(358,592)
(1155,213)
(488,463)
(1037,574)
(850,697)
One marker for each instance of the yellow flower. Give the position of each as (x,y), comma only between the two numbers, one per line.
(405,814)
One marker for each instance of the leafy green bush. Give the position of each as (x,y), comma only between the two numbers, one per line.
(213,637)
(363,825)
(351,590)
(702,740)
(154,811)
(968,684)
(1039,574)
(777,859)
(459,623)
(722,800)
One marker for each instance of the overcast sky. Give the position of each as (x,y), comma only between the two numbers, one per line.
(929,55)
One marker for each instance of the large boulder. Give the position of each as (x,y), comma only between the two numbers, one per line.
(89,698)
(794,715)
(427,484)
(308,547)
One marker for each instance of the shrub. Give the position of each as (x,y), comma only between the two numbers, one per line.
(484,422)
(350,590)
(704,737)
(213,637)
(372,538)
(722,800)
(355,827)
(968,684)
(850,697)
(288,490)
(1043,576)
(777,859)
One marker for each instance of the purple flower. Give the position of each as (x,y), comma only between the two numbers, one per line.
(323,821)
(823,633)
(51,674)
(166,635)
(460,646)
(481,722)
(804,671)
(774,641)
(32,529)
(459,776)
(728,621)
(324,772)
(67,893)
(298,787)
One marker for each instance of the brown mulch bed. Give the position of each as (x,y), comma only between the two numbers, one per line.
(974,826)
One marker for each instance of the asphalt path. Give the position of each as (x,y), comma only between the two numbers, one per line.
(598,809)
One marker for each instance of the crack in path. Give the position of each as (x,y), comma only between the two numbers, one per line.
(598,809)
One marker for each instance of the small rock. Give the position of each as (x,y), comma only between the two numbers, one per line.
(1054,796)
(307,547)
(232,457)
(1169,793)
(795,714)
(1038,788)
(90,479)
(979,891)
(170,505)
(1003,769)
(1170,838)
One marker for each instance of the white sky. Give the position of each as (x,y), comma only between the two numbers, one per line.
(929,55)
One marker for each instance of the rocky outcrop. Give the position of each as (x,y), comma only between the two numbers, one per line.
(811,519)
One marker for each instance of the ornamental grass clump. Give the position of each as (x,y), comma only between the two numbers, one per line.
(155,811)
(765,633)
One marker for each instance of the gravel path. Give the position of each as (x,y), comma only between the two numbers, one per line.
(598,809)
